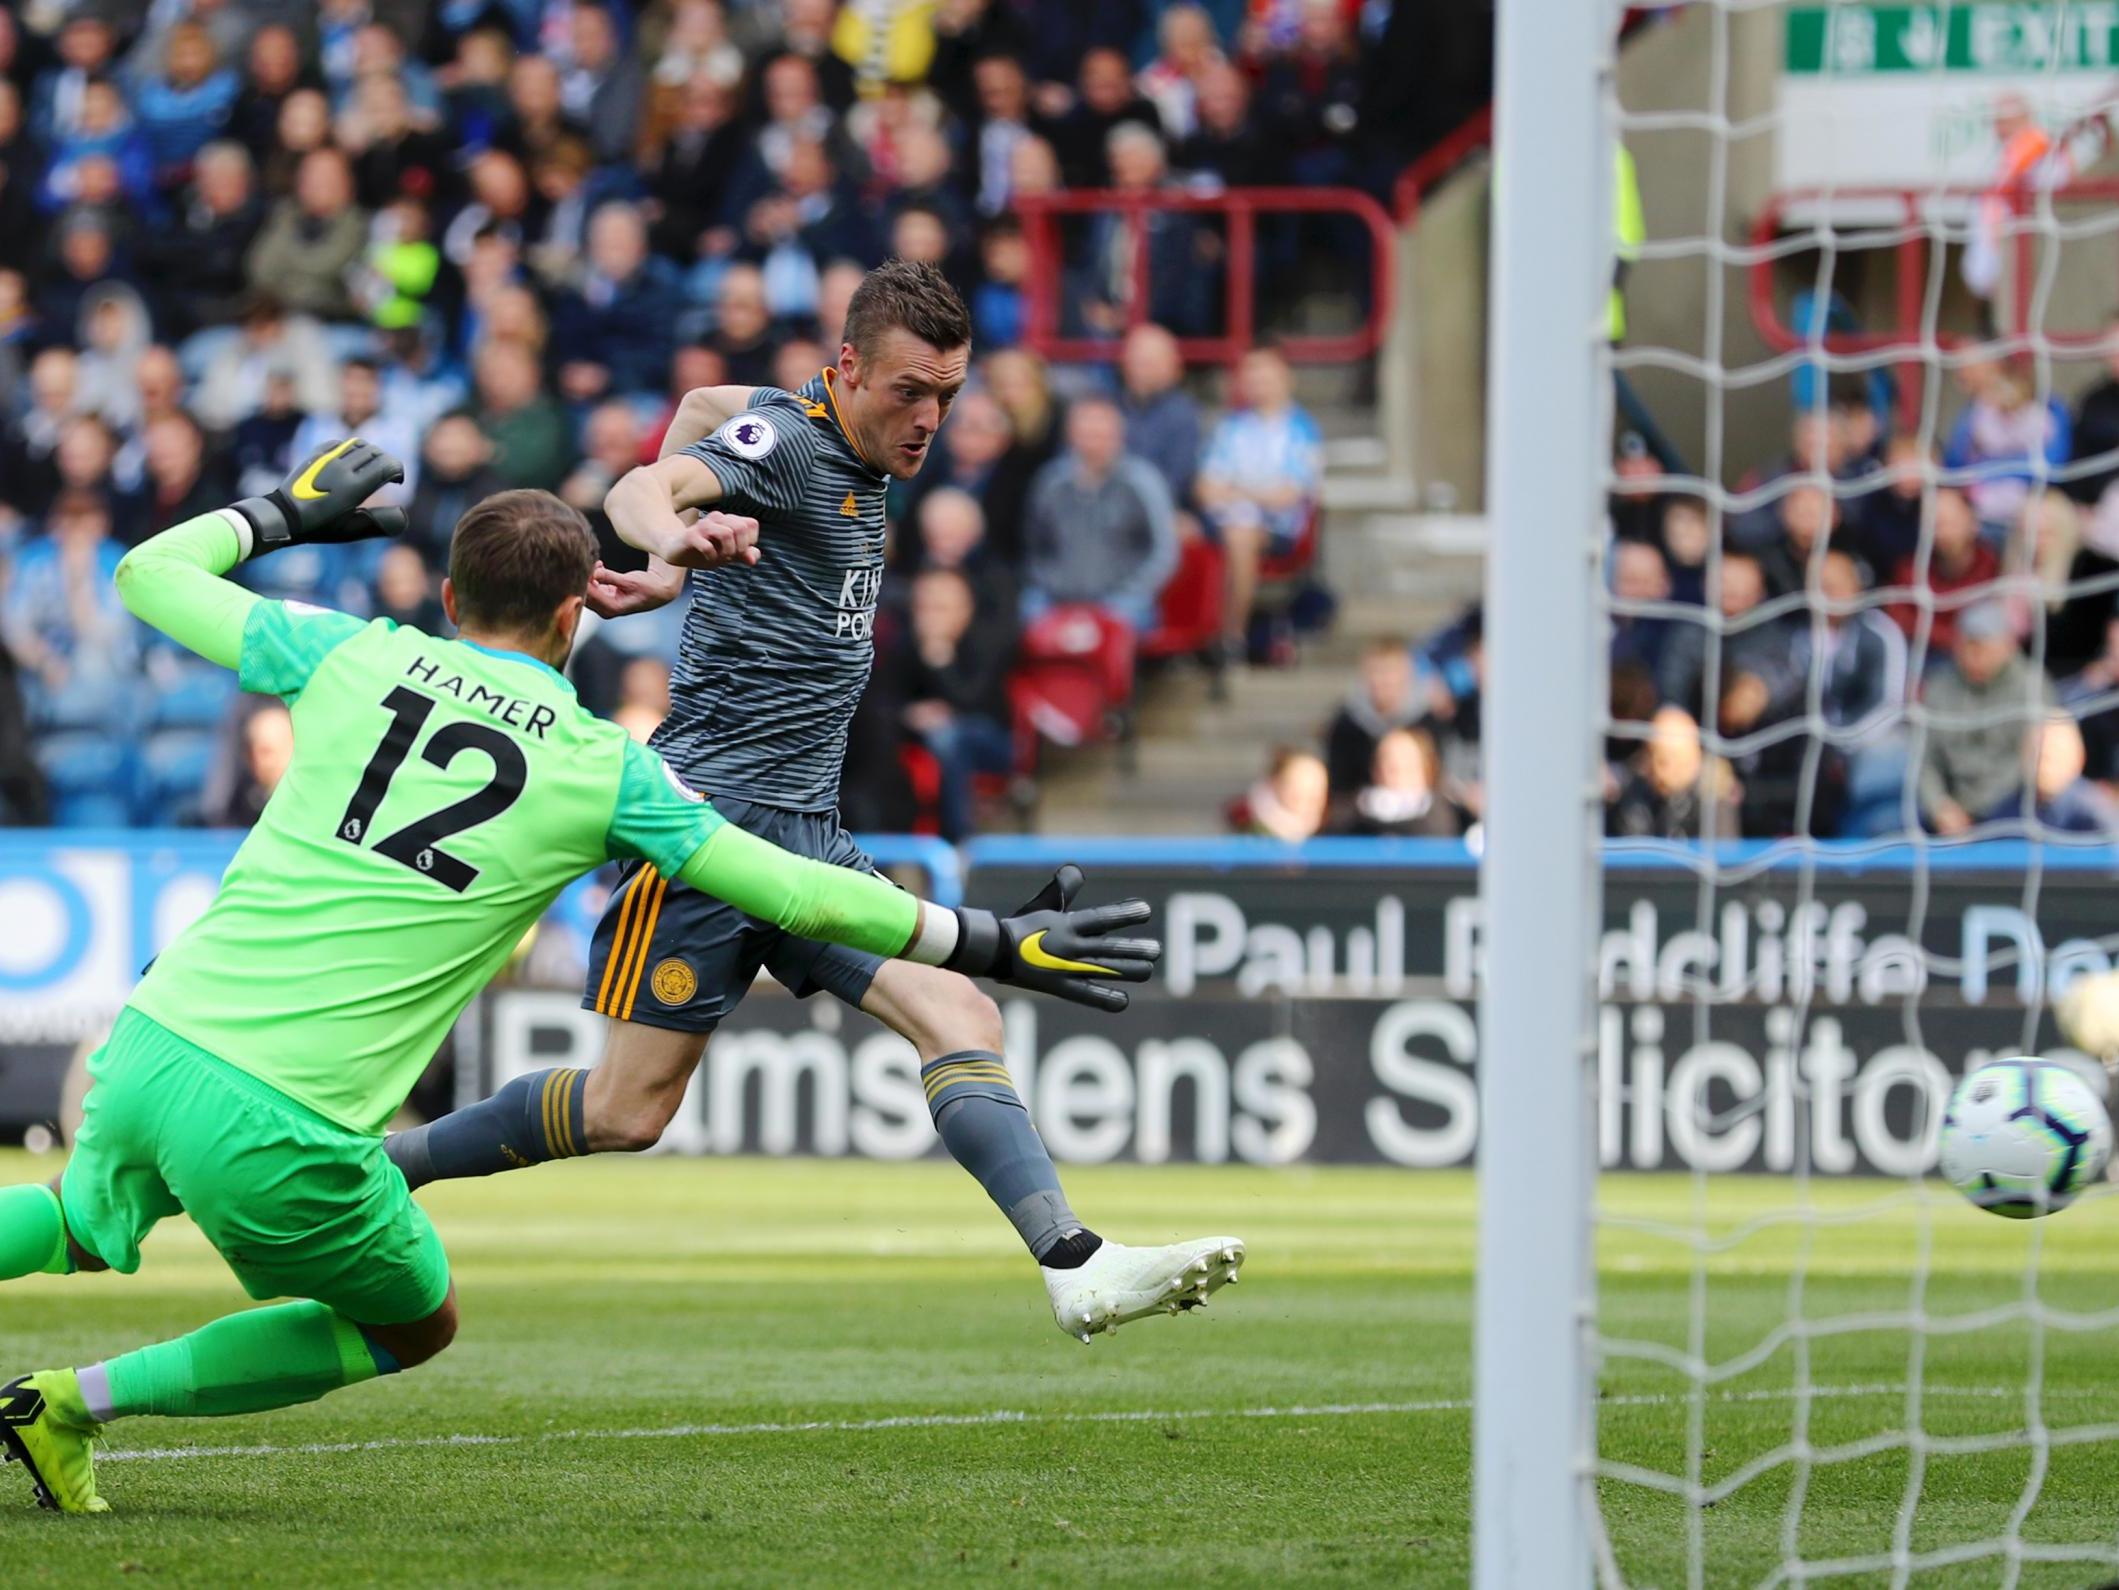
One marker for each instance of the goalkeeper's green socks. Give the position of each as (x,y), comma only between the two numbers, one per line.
(32,1233)
(243,1363)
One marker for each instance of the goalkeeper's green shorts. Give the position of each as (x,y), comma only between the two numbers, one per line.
(297,1205)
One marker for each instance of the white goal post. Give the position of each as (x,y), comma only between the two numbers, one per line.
(1534,1441)
(1812,1361)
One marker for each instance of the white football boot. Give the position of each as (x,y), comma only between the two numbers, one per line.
(1117,1283)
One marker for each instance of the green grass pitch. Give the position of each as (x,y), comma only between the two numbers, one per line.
(776,1372)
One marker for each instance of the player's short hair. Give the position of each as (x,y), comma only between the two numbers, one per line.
(906,295)
(515,557)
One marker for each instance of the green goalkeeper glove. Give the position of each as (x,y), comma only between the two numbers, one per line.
(321,501)
(1056,949)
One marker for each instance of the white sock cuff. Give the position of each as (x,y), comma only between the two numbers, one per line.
(935,939)
(245,537)
(94,1382)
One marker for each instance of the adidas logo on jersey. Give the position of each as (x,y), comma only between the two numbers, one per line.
(849,509)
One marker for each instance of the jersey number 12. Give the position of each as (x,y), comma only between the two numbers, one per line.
(417,844)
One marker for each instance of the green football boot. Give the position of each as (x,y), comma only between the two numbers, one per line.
(44,1426)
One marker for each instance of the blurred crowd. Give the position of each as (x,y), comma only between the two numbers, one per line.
(500,238)
(1908,628)
(1888,629)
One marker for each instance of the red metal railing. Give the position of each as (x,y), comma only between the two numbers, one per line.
(1241,206)
(1423,176)
(1911,253)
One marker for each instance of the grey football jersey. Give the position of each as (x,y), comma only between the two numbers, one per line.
(775,655)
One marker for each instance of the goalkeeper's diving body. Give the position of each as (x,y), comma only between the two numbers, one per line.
(776,653)
(441,793)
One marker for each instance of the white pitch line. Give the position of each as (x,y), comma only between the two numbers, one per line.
(937,1421)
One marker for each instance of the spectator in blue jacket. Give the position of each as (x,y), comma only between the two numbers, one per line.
(103,130)
(187,102)
(1260,480)
(87,50)
(999,305)
(2009,441)
(612,334)
(63,621)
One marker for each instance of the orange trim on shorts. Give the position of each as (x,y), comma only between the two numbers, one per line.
(645,937)
(620,945)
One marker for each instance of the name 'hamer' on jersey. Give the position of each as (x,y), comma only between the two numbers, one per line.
(777,653)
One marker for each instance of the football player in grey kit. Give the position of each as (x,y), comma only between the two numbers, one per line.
(785,567)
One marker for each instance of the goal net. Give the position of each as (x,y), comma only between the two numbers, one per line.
(1856,463)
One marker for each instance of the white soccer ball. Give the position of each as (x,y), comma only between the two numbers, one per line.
(2023,1137)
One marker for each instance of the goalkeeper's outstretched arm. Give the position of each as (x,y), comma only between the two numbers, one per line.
(1048,945)
(175,582)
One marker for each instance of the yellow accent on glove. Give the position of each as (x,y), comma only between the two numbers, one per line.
(304,487)
(1033,952)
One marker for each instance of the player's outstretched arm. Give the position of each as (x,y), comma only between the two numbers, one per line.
(646,508)
(174,580)
(1049,945)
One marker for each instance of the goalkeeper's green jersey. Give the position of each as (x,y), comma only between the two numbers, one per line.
(440,795)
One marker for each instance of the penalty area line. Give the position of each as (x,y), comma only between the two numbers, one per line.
(997,1416)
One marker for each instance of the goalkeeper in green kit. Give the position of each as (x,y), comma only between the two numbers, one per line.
(442,792)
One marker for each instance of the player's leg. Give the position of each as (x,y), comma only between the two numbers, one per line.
(297,1205)
(116,1147)
(674,959)
(33,1236)
(259,1359)
(1243,539)
(1093,1284)
(622,1104)
(541,1116)
(528,1121)
(956,1028)
(43,1424)
(638,1084)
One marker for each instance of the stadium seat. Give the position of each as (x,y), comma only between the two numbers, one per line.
(1284,568)
(91,777)
(173,767)
(1189,611)
(1013,788)
(87,705)
(1073,683)
(1289,599)
(924,774)
(91,809)
(191,697)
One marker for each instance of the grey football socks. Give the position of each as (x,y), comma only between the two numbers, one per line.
(984,1126)
(532,1119)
